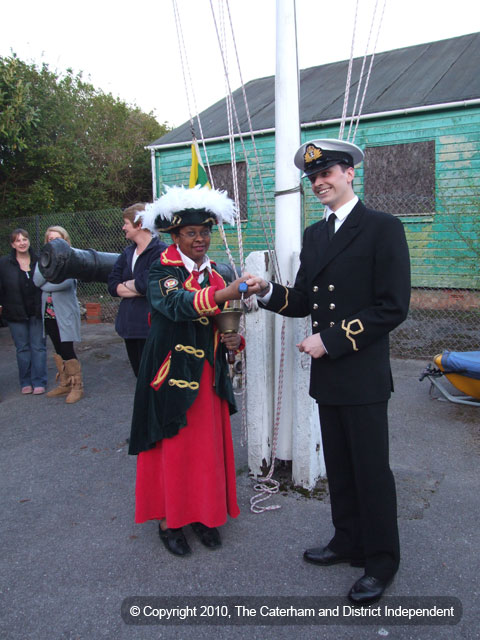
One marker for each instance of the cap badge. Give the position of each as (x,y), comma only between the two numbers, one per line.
(312,153)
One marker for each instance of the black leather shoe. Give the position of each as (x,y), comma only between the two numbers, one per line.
(208,536)
(324,556)
(368,590)
(174,541)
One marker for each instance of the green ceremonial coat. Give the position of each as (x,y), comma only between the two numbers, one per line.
(182,335)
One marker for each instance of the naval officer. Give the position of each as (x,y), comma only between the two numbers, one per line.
(354,282)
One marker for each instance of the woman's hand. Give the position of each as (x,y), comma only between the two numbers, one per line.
(231,292)
(124,290)
(130,284)
(231,340)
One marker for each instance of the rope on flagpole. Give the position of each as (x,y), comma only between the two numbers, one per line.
(242,142)
(349,77)
(262,486)
(369,71)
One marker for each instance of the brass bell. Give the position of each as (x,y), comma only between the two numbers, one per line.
(228,321)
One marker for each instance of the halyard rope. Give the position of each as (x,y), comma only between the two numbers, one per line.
(261,486)
(349,77)
(369,71)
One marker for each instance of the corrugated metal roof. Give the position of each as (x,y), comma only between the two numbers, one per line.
(434,73)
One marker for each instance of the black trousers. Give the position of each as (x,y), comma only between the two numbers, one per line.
(63,349)
(134,348)
(362,487)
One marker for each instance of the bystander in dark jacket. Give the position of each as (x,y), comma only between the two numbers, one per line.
(21,308)
(129,280)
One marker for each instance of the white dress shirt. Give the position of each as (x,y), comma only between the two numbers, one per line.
(341,213)
(190,265)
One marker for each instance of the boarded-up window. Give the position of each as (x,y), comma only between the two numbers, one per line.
(400,178)
(222,179)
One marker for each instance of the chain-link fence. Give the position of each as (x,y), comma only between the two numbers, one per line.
(444,245)
(99,230)
(445,257)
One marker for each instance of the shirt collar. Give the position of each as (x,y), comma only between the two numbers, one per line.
(343,211)
(190,265)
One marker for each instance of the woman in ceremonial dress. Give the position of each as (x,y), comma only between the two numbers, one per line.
(181,420)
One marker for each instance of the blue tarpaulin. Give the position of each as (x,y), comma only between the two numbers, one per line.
(465,363)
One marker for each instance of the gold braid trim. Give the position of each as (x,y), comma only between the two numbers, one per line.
(286,301)
(198,353)
(162,373)
(351,332)
(183,384)
(204,301)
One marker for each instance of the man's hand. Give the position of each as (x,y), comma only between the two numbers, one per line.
(312,345)
(257,285)
(231,292)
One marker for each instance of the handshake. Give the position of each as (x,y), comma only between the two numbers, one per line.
(255,284)
(311,345)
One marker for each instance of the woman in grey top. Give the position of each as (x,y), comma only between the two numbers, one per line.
(61,314)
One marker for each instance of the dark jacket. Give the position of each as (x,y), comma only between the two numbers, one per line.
(16,291)
(132,317)
(356,289)
(182,336)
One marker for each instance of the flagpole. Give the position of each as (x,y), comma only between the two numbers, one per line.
(287,200)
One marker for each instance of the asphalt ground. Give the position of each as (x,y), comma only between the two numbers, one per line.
(71,553)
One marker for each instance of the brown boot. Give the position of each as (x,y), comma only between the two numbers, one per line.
(74,373)
(64,385)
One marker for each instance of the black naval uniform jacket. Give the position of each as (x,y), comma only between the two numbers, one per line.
(356,289)
(182,336)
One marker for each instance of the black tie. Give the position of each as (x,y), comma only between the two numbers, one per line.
(331,225)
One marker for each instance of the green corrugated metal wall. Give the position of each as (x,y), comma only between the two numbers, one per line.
(445,247)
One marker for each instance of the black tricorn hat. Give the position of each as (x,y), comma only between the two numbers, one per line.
(180,207)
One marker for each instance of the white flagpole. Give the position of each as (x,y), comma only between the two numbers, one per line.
(288,198)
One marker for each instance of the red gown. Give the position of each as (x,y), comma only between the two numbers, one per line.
(191,477)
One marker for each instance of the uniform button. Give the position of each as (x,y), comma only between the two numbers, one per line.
(331,324)
(331,287)
(331,306)
(315,324)
(315,289)
(315,306)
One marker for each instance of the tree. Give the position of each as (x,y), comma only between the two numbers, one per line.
(17,113)
(66,146)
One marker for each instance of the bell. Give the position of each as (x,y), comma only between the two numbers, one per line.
(228,321)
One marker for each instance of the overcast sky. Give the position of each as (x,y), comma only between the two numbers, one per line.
(130,48)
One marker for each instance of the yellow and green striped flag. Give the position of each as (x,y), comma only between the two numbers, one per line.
(198,175)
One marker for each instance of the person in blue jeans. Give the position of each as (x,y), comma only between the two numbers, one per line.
(21,308)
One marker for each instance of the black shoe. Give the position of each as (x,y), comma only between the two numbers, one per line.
(208,536)
(324,556)
(174,541)
(368,590)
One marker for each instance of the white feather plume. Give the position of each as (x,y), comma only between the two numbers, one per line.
(177,199)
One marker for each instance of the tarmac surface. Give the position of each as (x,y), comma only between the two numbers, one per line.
(71,552)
